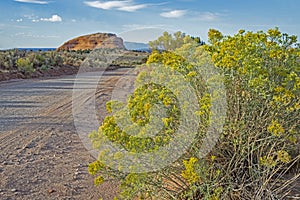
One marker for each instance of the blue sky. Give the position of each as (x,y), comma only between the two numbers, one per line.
(49,23)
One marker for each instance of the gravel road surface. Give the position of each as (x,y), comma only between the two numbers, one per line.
(41,153)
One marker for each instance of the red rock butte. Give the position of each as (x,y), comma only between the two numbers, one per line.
(93,41)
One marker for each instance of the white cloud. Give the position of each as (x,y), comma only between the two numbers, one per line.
(106,5)
(54,18)
(32,1)
(126,5)
(132,8)
(19,20)
(208,16)
(174,14)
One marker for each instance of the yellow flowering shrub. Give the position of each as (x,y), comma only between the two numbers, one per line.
(260,137)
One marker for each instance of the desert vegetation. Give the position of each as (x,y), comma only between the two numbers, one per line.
(256,155)
(16,63)
(26,64)
(170,41)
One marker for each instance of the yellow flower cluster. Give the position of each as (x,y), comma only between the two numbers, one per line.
(276,128)
(190,173)
(271,161)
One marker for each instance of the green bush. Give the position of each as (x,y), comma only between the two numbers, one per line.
(44,68)
(25,66)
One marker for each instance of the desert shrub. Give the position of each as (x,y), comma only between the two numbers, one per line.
(44,68)
(258,144)
(25,66)
(170,42)
(8,59)
(139,124)
(73,58)
(36,58)
(260,138)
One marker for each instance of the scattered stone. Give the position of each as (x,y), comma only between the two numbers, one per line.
(14,190)
(50,191)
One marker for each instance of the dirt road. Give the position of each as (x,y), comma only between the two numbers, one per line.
(41,153)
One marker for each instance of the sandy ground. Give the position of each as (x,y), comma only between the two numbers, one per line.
(41,153)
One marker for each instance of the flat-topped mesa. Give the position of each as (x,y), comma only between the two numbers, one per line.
(92,41)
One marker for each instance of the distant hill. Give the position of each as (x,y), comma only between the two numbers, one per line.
(92,41)
(136,46)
